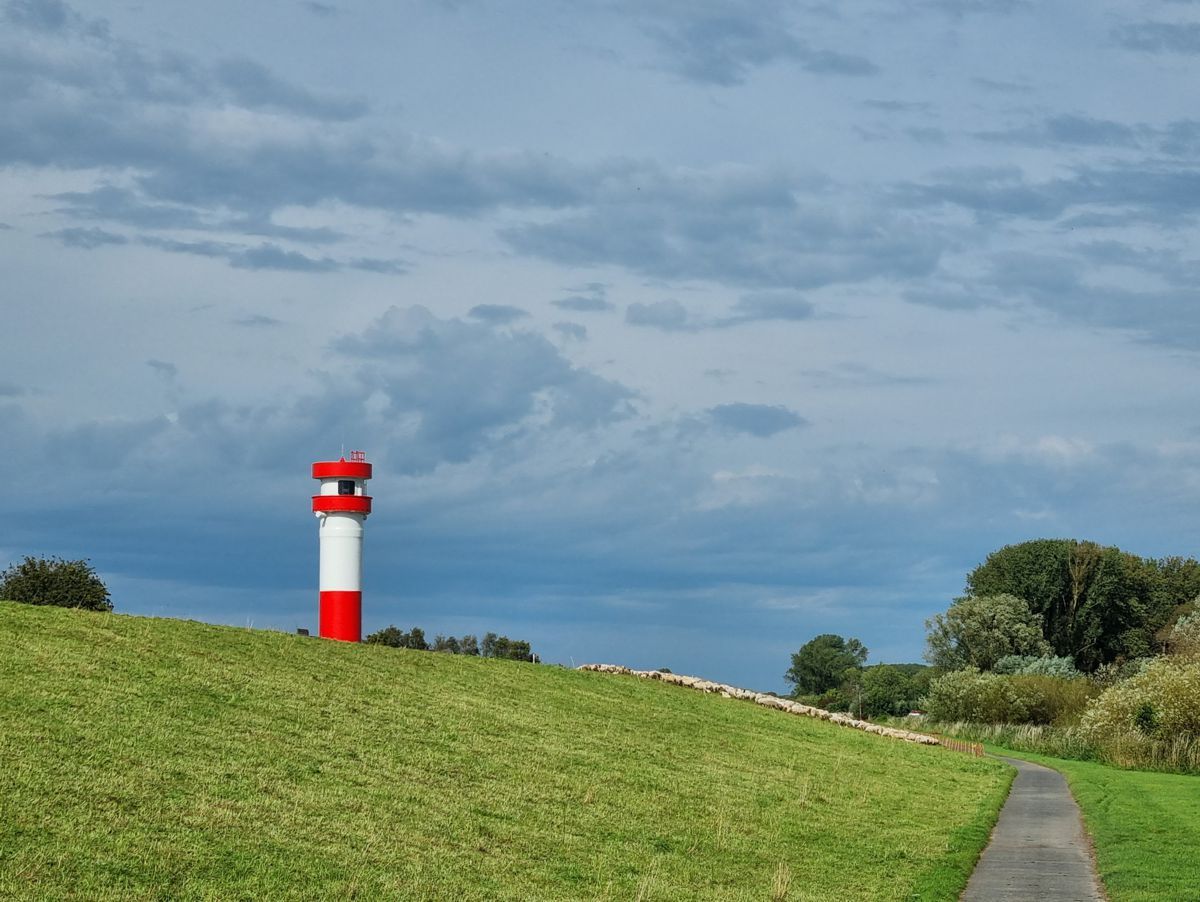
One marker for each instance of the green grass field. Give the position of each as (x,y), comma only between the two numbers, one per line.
(164,759)
(1145,827)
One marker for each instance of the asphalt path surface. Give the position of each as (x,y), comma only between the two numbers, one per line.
(1038,851)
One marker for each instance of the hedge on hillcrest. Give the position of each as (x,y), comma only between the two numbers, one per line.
(53,581)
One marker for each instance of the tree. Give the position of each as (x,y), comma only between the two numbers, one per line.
(397,638)
(1098,604)
(822,663)
(446,643)
(389,636)
(979,631)
(468,645)
(503,647)
(53,581)
(887,689)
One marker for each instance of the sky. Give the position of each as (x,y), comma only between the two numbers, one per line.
(678,331)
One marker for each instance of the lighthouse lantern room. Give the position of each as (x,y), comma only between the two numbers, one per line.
(341,505)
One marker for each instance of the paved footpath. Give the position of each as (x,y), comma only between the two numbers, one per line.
(1038,851)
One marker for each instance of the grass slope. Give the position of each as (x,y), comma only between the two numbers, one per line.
(1144,827)
(163,759)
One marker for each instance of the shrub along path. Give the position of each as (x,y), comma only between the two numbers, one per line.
(1038,849)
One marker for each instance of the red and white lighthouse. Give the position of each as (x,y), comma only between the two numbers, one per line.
(342,506)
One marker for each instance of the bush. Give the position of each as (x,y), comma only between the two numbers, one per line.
(979,697)
(1031,664)
(1118,671)
(1162,702)
(53,581)
(397,638)
(1053,700)
(1184,639)
(887,690)
(968,695)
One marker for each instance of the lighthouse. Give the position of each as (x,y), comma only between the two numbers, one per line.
(341,505)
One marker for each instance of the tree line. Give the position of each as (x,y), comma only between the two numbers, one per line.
(1047,608)
(75,584)
(492,646)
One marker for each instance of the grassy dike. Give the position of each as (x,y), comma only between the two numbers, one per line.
(163,759)
(1145,827)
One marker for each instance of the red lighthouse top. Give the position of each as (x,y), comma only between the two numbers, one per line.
(342,486)
(354,468)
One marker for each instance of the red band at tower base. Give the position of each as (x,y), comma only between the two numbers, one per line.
(341,616)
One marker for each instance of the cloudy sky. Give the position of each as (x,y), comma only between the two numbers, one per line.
(679,331)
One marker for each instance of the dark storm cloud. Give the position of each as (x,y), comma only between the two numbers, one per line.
(264,256)
(268,256)
(376,265)
(1168,191)
(422,391)
(87,61)
(462,387)
(1160,37)
(572,331)
(1182,138)
(271,256)
(669,316)
(584,303)
(1001,87)
(103,445)
(961,8)
(672,316)
(1082,131)
(733,227)
(770,305)
(497,314)
(38,15)
(112,105)
(127,206)
(723,43)
(761,420)
(898,106)
(256,88)
(163,368)
(85,237)
(1073,286)
(1070,288)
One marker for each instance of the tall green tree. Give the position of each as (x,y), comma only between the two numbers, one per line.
(823,663)
(1098,603)
(977,631)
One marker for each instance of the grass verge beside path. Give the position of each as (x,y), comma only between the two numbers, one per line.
(1145,827)
(163,759)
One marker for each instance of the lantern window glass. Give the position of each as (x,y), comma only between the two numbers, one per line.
(345,486)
